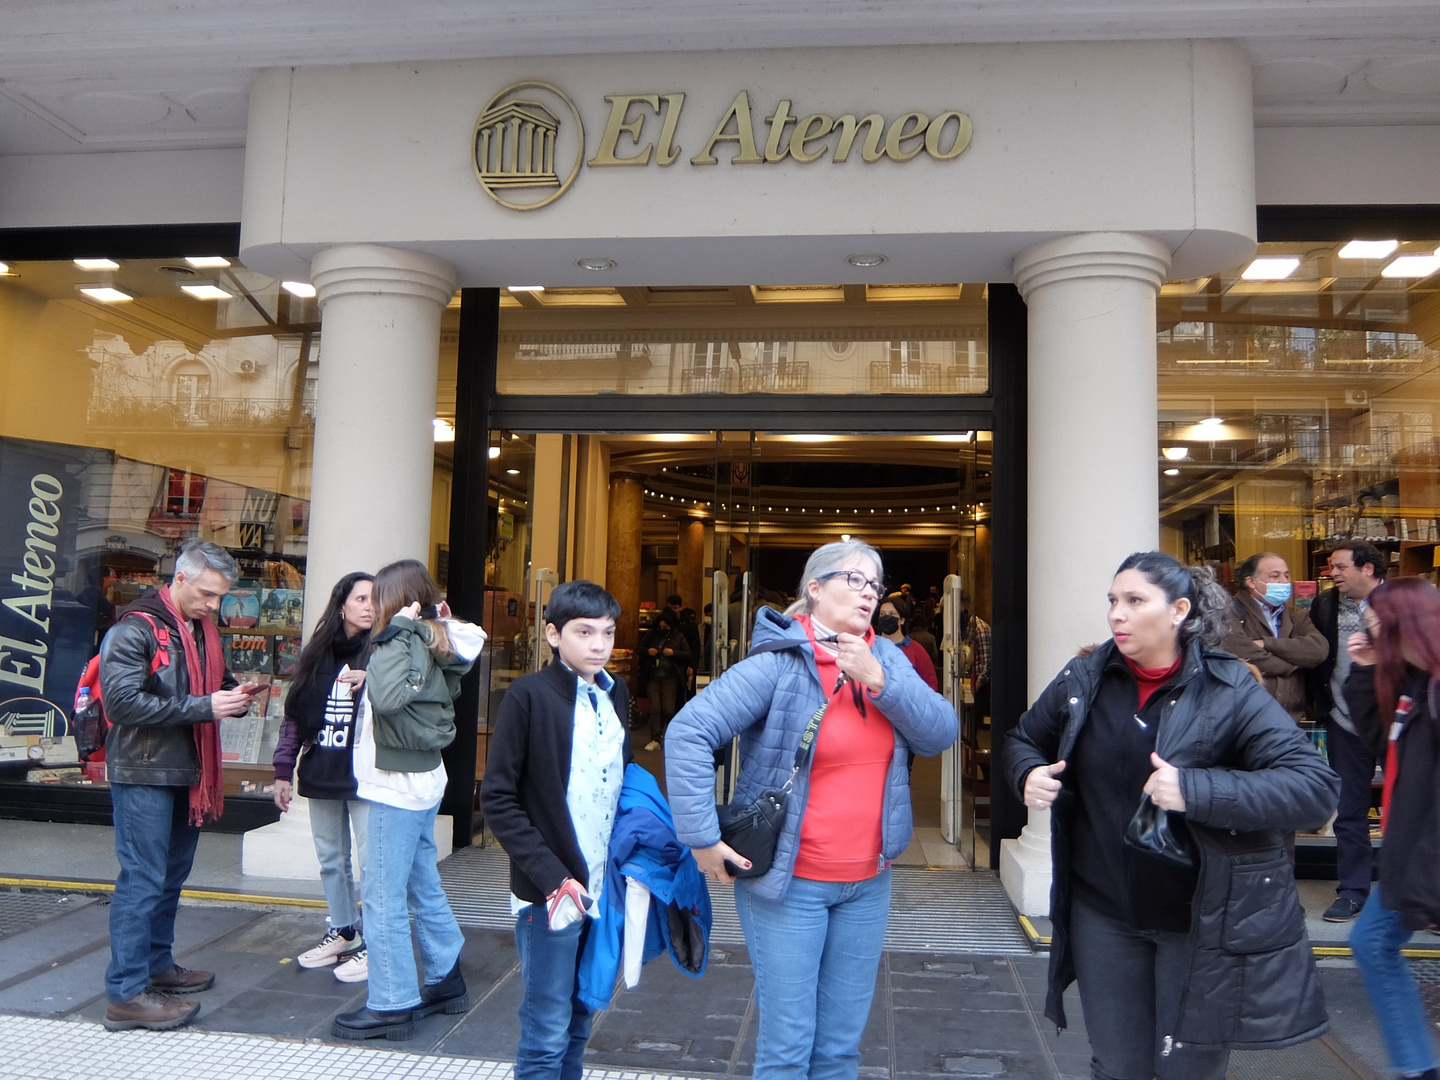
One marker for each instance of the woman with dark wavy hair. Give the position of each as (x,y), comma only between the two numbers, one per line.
(1394,695)
(1178,959)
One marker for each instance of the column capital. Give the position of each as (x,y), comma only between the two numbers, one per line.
(1092,255)
(374,270)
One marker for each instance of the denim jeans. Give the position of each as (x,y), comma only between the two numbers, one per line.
(554,1023)
(155,844)
(330,824)
(815,958)
(401,879)
(1375,940)
(1130,986)
(1354,855)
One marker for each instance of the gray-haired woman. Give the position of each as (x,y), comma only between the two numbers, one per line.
(1176,963)
(815,922)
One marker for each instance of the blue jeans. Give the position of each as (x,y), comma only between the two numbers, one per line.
(401,879)
(554,1023)
(330,822)
(155,844)
(815,957)
(1375,939)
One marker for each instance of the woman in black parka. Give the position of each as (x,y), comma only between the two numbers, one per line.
(1176,964)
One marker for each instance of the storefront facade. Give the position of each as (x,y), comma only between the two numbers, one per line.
(1096,202)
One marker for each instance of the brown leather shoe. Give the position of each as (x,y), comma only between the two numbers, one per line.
(149,1009)
(179,980)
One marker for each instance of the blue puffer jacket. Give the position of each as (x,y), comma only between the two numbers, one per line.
(767,699)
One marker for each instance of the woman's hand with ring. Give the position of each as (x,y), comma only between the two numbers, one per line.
(1042,785)
(1163,787)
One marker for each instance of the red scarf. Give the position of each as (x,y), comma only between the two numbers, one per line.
(207,798)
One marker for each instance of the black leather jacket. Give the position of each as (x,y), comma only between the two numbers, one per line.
(1249,776)
(152,717)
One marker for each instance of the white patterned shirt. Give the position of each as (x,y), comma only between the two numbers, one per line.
(597,769)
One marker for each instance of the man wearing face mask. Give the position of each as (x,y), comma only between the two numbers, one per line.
(1270,632)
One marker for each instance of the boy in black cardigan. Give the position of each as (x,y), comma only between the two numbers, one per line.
(551,787)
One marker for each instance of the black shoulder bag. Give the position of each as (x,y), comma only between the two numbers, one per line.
(754,829)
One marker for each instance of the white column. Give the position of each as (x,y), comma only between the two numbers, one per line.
(1093,485)
(374,412)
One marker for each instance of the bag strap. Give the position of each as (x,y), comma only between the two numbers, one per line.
(806,749)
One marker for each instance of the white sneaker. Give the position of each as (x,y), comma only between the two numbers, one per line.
(652,745)
(331,947)
(356,969)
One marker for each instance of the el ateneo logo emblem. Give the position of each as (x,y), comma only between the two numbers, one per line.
(529,142)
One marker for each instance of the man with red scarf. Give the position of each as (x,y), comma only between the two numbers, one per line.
(162,673)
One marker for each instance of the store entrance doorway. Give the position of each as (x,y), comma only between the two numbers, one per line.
(724,521)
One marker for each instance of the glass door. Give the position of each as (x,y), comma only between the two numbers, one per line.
(737,533)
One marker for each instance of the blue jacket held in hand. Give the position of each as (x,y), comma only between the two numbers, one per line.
(643,846)
(767,699)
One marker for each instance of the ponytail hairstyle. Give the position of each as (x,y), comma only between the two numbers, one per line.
(1409,614)
(1209,602)
(329,630)
(408,582)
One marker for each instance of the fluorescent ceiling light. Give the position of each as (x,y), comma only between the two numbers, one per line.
(1175,453)
(107,294)
(959,436)
(494,450)
(4,268)
(206,290)
(1212,421)
(811,438)
(1413,266)
(207,262)
(525,288)
(512,472)
(444,430)
(1270,269)
(97,264)
(1172,472)
(1368,249)
(302,289)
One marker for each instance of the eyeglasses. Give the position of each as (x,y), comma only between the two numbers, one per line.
(856,580)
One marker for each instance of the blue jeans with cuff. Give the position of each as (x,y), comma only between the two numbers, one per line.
(554,1023)
(815,957)
(401,879)
(1375,941)
(155,844)
(330,824)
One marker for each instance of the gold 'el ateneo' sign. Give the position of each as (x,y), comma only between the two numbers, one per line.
(529,141)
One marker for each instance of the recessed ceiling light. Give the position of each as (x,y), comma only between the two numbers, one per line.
(595,263)
(1172,472)
(1413,266)
(444,430)
(865,259)
(105,293)
(512,472)
(302,289)
(494,450)
(1368,249)
(205,290)
(845,536)
(525,288)
(207,262)
(811,438)
(1212,421)
(97,264)
(1175,453)
(4,268)
(1275,269)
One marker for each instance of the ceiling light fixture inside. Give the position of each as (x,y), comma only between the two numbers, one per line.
(207,262)
(865,259)
(524,288)
(1212,421)
(302,289)
(494,452)
(97,264)
(1413,266)
(595,263)
(206,290)
(1368,249)
(1172,472)
(1273,269)
(1175,453)
(107,294)
(444,430)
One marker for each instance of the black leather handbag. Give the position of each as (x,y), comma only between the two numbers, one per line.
(1162,835)
(754,829)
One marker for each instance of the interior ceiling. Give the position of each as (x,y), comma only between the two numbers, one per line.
(97,75)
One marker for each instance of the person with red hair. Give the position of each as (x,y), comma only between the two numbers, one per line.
(1392,691)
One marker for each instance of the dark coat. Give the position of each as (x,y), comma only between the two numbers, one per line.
(1248,776)
(152,716)
(1282,659)
(1325,617)
(1410,856)
(526,775)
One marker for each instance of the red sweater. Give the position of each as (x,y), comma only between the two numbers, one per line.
(840,836)
(921,662)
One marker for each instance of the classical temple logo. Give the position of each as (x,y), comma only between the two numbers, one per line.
(528,145)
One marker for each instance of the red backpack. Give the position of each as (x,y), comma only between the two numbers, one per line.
(91,724)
